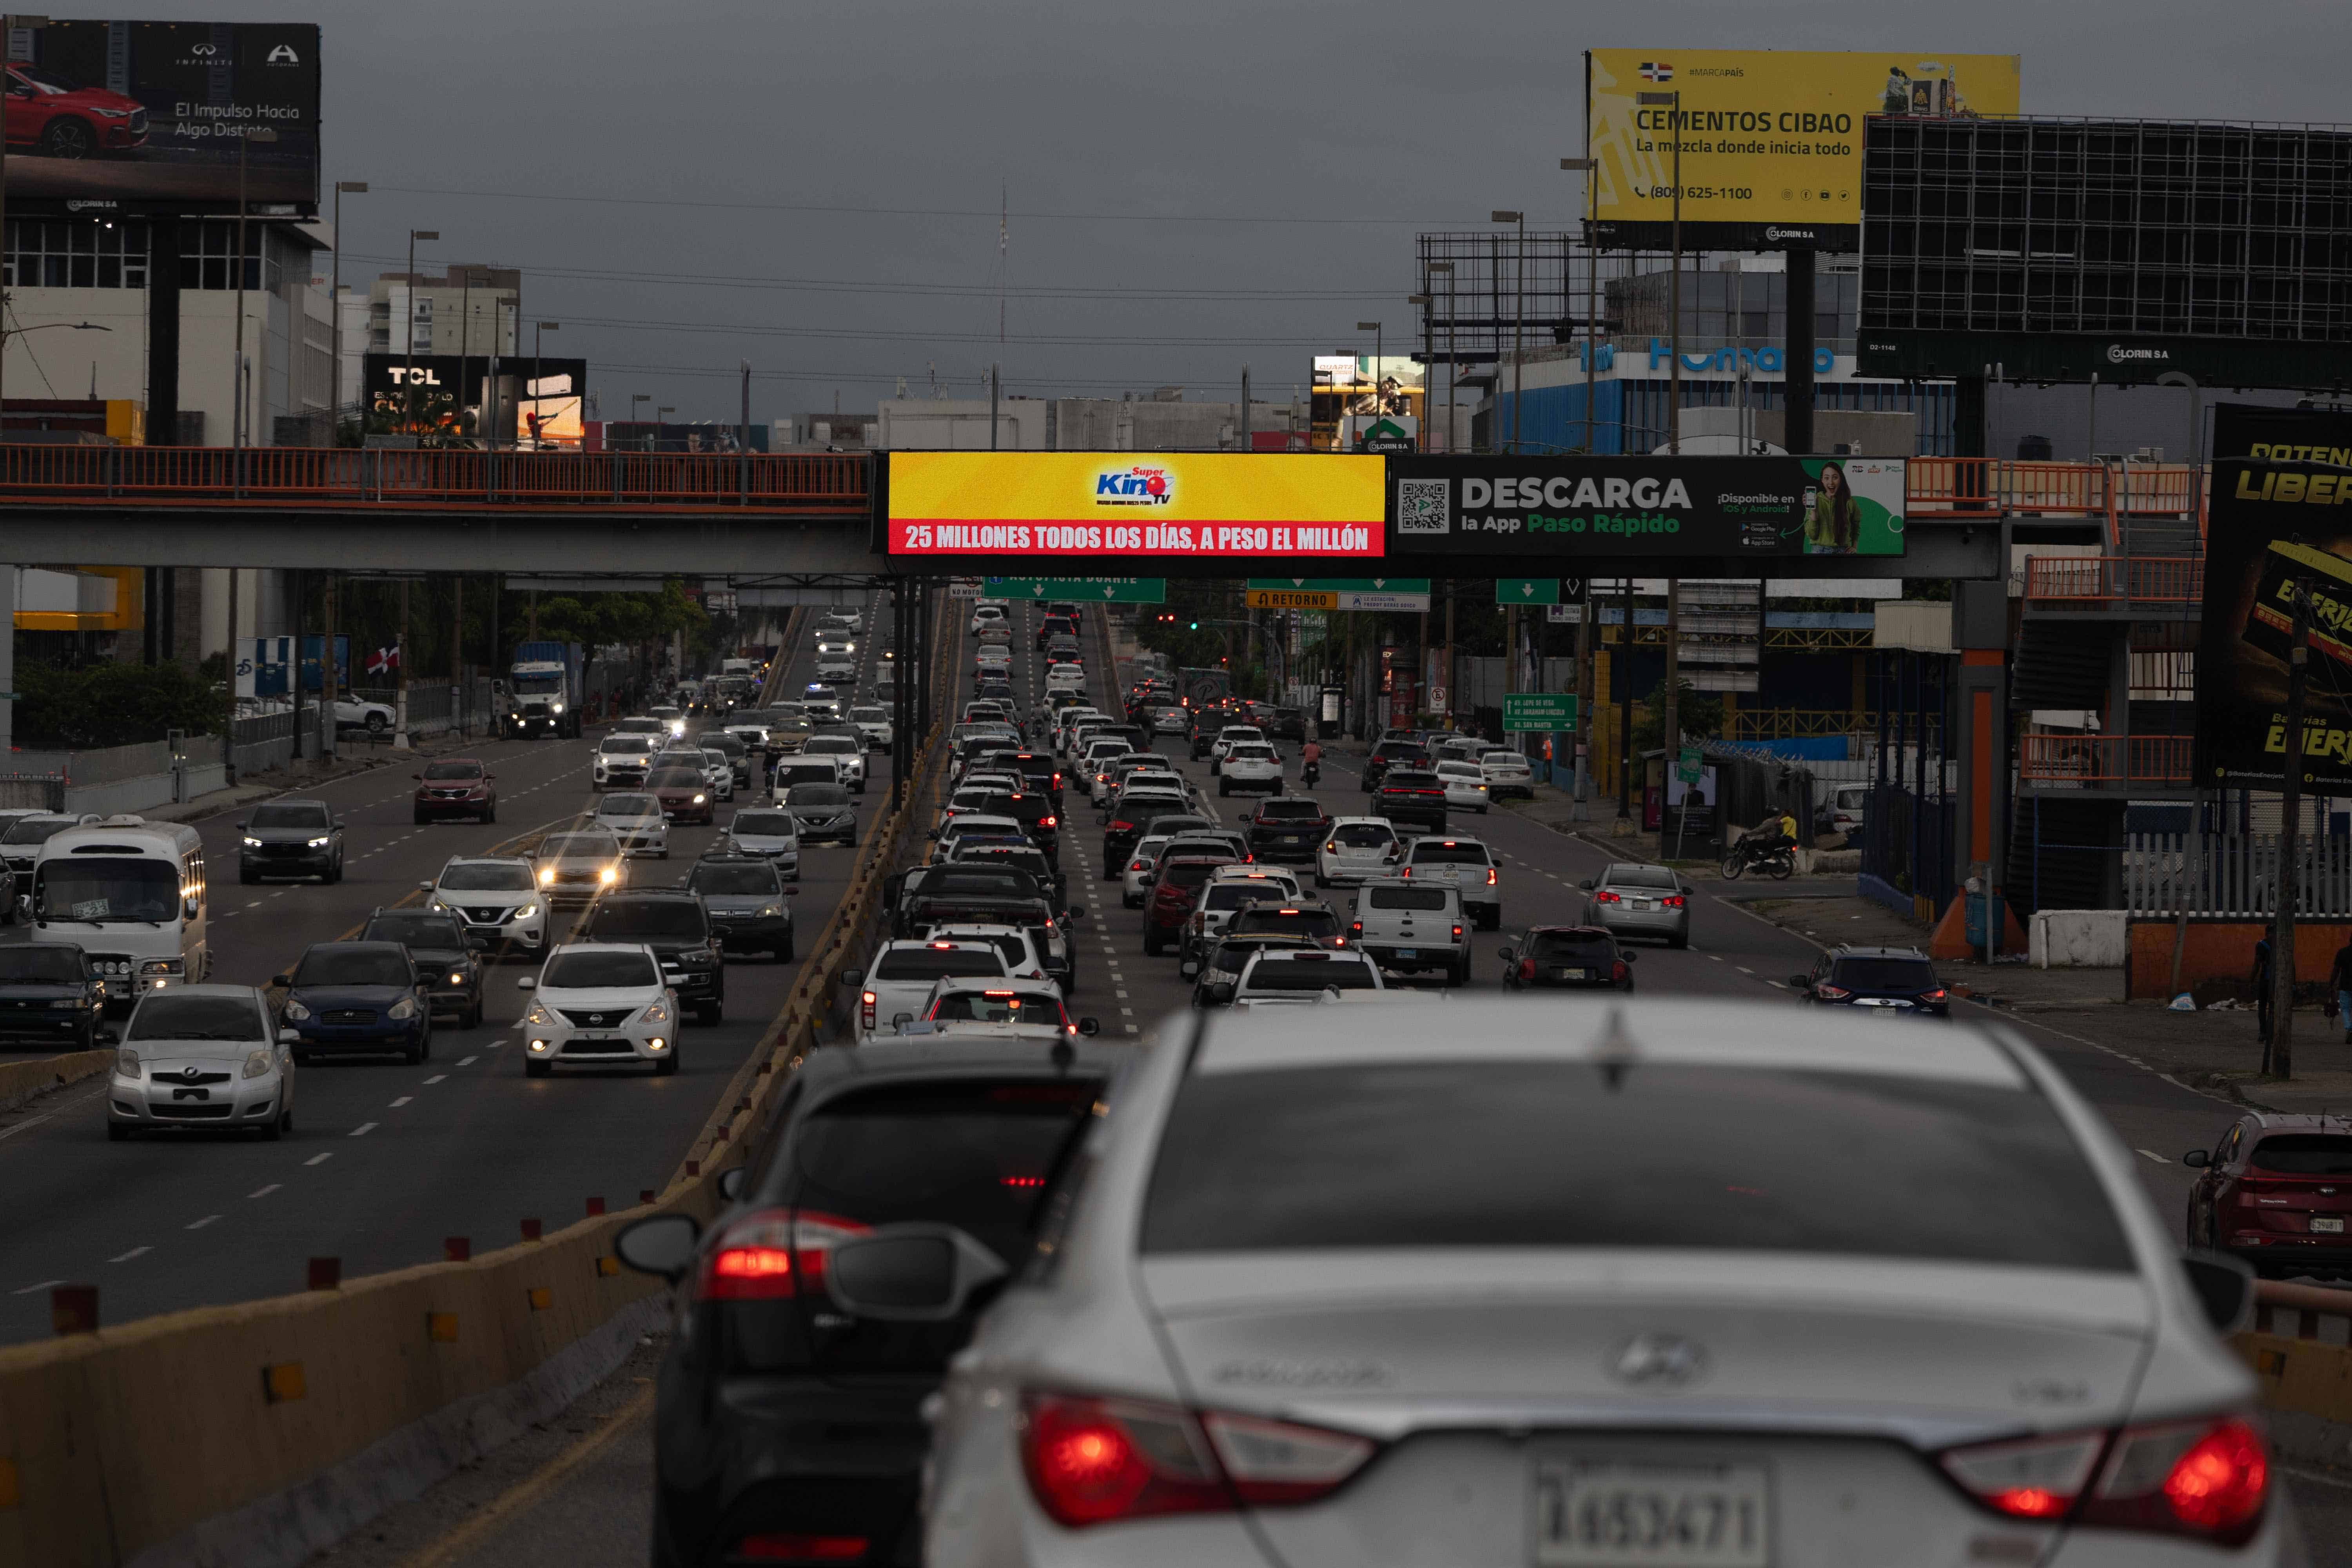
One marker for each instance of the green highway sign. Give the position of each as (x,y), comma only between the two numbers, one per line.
(1083,590)
(1338,593)
(1539,711)
(1344,585)
(1526,591)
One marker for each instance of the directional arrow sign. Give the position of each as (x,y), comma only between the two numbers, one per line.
(1107,590)
(1539,710)
(1526,591)
(1338,593)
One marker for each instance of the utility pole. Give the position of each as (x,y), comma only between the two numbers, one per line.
(992,407)
(1518,322)
(1453,587)
(457,646)
(1625,718)
(335,293)
(1580,812)
(400,673)
(1245,412)
(2298,681)
(1673,104)
(1672,733)
(327,733)
(742,443)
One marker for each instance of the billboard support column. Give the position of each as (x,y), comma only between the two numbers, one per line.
(163,331)
(2281,1054)
(1799,430)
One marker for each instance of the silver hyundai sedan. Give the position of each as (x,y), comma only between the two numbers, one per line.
(1598,1284)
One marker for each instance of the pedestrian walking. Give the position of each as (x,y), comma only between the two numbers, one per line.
(2262,997)
(2340,980)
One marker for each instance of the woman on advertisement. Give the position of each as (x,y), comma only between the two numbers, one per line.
(1832,516)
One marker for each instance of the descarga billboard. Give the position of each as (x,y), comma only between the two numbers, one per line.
(1043,505)
(1549,513)
(1771,140)
(141,116)
(2271,525)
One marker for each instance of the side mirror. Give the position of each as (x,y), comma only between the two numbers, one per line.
(1508,954)
(241,826)
(290,1036)
(1628,955)
(1800,983)
(914,1273)
(1222,992)
(337,825)
(2224,1287)
(1189,968)
(662,1244)
(1089,1026)
(526,983)
(489,778)
(2198,1158)
(1586,884)
(416,776)
(1078,911)
(731,1179)
(423,886)
(852,976)
(477,943)
(282,981)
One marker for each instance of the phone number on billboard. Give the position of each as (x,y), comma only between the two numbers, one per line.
(1706,193)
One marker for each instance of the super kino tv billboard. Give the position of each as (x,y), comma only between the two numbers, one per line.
(1538,512)
(140,115)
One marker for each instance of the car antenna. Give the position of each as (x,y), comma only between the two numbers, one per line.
(1615,1051)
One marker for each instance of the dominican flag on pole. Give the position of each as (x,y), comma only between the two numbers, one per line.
(1659,71)
(383,661)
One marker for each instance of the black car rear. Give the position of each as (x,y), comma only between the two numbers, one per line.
(1888,981)
(1408,795)
(1569,957)
(673,922)
(1392,754)
(1129,820)
(784,1418)
(1287,828)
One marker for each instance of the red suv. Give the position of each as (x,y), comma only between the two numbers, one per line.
(1173,893)
(58,118)
(456,786)
(2276,1191)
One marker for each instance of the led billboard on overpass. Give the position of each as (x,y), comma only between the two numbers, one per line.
(140,116)
(1043,505)
(1772,139)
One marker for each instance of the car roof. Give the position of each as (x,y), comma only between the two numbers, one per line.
(642,893)
(1627,1032)
(1003,983)
(1857,950)
(487,861)
(605,947)
(1431,838)
(218,988)
(370,946)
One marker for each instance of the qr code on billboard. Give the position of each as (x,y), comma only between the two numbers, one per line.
(1421,506)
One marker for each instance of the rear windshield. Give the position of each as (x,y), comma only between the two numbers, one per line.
(1289,811)
(710,878)
(263,817)
(764,823)
(624,918)
(1638,876)
(453,770)
(1007,1007)
(1407,898)
(485,879)
(1297,922)
(816,795)
(932,963)
(1312,975)
(1402,778)
(1363,835)
(1469,1156)
(43,963)
(432,932)
(2305,1154)
(1427,854)
(599,971)
(1187,873)
(1569,947)
(1886,973)
(353,966)
(1233,895)
(197,1018)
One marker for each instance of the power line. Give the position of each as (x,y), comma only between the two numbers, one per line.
(624,324)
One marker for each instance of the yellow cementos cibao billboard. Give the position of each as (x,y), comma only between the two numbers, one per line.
(1772,140)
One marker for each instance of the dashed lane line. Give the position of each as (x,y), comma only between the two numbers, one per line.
(319,1159)
(126,1257)
(404,1100)
(264,1191)
(362,1130)
(437,1078)
(2155,1156)
(200,1224)
(36,1289)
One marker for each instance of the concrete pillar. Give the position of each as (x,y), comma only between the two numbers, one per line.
(1981,717)
(8,582)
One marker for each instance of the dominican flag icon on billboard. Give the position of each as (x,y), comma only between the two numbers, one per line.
(1658,71)
(383,661)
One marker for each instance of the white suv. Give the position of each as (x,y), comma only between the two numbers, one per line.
(600,1003)
(1464,863)
(984,617)
(849,751)
(1413,926)
(873,724)
(897,985)
(1357,847)
(493,895)
(1507,773)
(636,820)
(1250,765)
(622,759)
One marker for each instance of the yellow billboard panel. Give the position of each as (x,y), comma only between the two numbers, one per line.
(1042,505)
(1770,139)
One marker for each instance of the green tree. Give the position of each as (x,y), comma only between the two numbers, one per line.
(1700,714)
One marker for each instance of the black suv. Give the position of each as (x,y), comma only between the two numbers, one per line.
(1389,755)
(290,838)
(447,957)
(1288,827)
(1040,823)
(790,1406)
(673,922)
(1886,979)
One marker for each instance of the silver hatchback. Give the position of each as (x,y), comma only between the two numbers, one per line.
(1629,899)
(1586,1284)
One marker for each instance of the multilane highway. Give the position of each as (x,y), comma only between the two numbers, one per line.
(386,1160)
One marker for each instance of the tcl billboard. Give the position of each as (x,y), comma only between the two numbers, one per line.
(151,115)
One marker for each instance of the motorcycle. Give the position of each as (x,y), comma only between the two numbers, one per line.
(1770,855)
(1310,775)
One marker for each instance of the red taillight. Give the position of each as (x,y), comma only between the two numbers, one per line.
(865,1000)
(1527,969)
(1457,933)
(1122,828)
(1057,778)
(1617,970)
(1093,1461)
(1140,865)
(1405,872)
(1490,880)
(763,1256)
(1045,822)
(1936,995)
(801,1548)
(1355,928)
(1671,902)
(1831,992)
(1605,897)
(2209,1479)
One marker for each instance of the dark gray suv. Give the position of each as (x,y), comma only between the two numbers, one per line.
(290,838)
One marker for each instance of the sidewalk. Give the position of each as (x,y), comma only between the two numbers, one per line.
(307,773)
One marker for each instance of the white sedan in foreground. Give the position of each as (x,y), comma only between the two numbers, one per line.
(1921,1312)
(600,1003)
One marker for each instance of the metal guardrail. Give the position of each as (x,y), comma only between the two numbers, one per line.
(1989,487)
(2045,758)
(2112,582)
(343,476)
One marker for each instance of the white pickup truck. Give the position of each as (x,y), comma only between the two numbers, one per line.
(1413,926)
(1288,978)
(898,983)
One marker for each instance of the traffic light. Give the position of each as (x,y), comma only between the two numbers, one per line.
(1196,625)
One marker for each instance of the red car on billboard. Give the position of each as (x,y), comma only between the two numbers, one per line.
(58,118)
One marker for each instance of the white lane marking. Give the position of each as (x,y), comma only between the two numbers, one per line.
(264,1191)
(126,1257)
(44,1285)
(437,1078)
(404,1100)
(1717,956)
(2322,1477)
(468,1061)
(323,1159)
(2155,1156)
(200,1224)
(28,1121)
(1743,969)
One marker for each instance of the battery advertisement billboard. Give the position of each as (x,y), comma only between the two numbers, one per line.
(1551,514)
(1771,140)
(158,115)
(2274,524)
(1043,505)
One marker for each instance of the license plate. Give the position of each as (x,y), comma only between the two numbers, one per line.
(1886,1002)
(1652,1516)
(1571,974)
(1644,905)
(595,1039)
(2333,1224)
(1290,838)
(1408,952)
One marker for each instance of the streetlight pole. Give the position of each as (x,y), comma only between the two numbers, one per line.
(1428,355)
(1585,166)
(539,331)
(1374,328)
(335,395)
(1673,104)
(237,369)
(408,376)
(1447,269)
(1518,322)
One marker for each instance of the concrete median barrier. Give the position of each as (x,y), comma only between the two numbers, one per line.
(22,1081)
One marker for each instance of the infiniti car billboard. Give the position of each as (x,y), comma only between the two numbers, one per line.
(133,115)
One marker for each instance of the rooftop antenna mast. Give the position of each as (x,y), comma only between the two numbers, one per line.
(1004,263)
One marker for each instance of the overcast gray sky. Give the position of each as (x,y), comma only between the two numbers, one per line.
(814,188)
